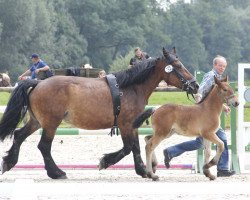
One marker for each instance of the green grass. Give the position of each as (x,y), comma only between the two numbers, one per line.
(160,98)
(4,97)
(157,98)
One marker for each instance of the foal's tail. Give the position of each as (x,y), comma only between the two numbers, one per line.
(142,117)
(16,108)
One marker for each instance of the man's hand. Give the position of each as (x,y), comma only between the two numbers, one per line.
(37,71)
(21,78)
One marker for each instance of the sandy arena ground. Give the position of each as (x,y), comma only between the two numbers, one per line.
(111,184)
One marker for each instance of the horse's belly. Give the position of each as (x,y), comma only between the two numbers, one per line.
(185,131)
(90,120)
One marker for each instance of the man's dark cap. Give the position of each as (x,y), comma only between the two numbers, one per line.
(34,55)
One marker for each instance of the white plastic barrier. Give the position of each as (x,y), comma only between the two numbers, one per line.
(243,133)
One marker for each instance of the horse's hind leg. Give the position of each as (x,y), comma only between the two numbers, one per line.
(45,147)
(150,146)
(154,159)
(215,159)
(139,165)
(20,135)
(130,142)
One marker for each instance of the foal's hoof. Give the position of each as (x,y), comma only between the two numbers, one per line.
(212,177)
(155,178)
(144,176)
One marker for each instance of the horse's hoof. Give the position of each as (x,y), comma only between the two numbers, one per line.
(144,176)
(155,178)
(154,168)
(62,177)
(4,167)
(58,175)
(102,164)
(149,175)
(212,177)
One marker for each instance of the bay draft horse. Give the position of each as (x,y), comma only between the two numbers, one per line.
(87,103)
(202,119)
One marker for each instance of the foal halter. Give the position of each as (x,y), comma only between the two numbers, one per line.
(226,98)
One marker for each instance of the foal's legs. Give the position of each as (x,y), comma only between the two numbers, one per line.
(220,148)
(207,150)
(20,135)
(150,146)
(45,147)
(154,159)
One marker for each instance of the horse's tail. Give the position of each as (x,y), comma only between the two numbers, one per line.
(16,108)
(142,117)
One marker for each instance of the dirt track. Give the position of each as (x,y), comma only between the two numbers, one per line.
(109,184)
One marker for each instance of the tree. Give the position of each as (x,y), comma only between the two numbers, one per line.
(186,35)
(70,47)
(111,27)
(122,62)
(221,32)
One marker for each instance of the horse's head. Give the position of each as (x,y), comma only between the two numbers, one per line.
(227,92)
(177,75)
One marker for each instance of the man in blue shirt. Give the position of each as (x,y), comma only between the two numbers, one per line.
(38,66)
(219,66)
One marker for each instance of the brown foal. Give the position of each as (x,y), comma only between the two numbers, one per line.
(202,119)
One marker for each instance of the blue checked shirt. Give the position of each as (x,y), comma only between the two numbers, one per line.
(207,82)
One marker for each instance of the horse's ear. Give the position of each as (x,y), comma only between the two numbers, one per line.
(164,51)
(217,81)
(174,50)
(225,79)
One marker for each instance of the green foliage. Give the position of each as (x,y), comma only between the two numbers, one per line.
(122,63)
(72,33)
(186,36)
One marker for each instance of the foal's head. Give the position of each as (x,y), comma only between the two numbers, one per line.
(176,74)
(226,92)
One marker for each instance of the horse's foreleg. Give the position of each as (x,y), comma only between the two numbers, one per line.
(215,159)
(45,147)
(20,135)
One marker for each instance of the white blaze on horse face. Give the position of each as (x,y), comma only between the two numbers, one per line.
(168,68)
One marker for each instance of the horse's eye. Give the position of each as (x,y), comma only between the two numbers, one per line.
(225,90)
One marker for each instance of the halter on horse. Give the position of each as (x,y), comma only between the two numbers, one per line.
(86,103)
(202,119)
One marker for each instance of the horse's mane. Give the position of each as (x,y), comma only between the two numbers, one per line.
(203,98)
(136,74)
